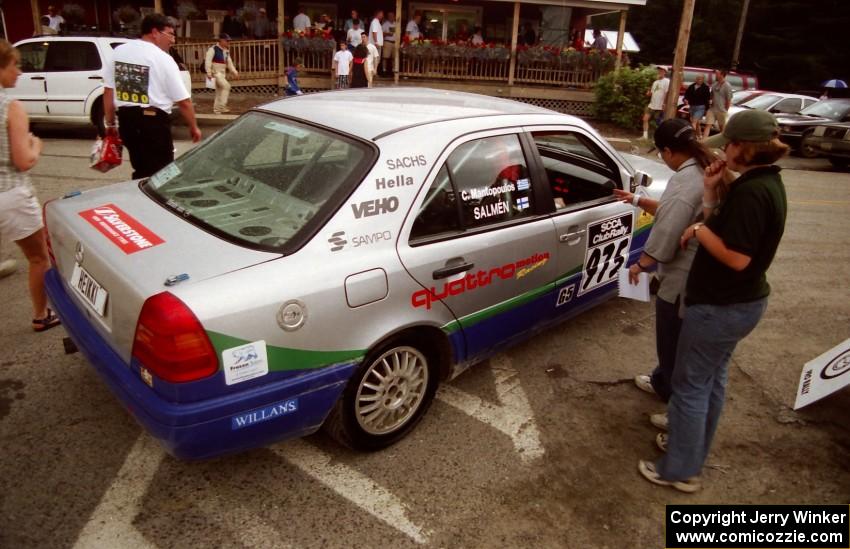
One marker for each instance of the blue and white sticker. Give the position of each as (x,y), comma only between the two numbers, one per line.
(522,203)
(245,362)
(264,414)
(523,184)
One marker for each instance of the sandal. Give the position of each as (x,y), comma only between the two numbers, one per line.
(42,324)
(647,469)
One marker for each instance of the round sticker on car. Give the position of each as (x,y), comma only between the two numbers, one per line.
(292,315)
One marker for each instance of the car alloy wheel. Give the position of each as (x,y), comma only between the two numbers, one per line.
(391,390)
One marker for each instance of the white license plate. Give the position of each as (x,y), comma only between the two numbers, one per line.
(89,289)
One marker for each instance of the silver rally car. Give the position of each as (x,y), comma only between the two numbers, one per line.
(329,259)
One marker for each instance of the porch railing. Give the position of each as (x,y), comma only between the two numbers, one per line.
(259,60)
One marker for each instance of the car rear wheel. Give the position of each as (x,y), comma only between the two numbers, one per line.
(386,398)
(807,148)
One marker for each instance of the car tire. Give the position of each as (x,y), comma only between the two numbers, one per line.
(387,396)
(839,162)
(807,150)
(97,117)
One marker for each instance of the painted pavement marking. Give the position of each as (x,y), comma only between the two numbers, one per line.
(513,417)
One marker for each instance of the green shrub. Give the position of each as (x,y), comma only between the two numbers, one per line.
(621,96)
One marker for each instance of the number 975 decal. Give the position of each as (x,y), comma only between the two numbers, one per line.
(607,251)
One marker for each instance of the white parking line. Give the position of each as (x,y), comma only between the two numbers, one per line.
(513,417)
(353,486)
(111,523)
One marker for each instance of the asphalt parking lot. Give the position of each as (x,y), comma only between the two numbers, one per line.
(538,447)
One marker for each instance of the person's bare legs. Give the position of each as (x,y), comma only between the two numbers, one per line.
(646,125)
(35,248)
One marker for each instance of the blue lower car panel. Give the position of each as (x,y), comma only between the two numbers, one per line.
(283,408)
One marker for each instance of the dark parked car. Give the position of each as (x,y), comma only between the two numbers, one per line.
(833,142)
(797,129)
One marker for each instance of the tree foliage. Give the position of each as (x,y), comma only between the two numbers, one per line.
(621,96)
(791,45)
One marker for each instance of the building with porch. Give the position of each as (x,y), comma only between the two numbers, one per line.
(533,51)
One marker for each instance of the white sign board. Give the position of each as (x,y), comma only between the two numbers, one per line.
(824,375)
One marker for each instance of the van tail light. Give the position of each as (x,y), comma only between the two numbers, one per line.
(171,343)
(47,232)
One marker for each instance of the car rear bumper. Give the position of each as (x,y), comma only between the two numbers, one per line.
(283,408)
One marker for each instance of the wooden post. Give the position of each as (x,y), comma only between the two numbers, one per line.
(679,59)
(157,6)
(621,36)
(514,34)
(281,54)
(36,16)
(399,24)
(741,24)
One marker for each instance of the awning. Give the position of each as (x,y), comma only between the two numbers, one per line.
(599,6)
(629,44)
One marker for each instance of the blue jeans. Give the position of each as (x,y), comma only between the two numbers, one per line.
(708,338)
(667,328)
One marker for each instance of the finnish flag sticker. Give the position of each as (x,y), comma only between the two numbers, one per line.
(522,203)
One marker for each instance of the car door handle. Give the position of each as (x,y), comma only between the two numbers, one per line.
(36,78)
(446,272)
(95,78)
(568,236)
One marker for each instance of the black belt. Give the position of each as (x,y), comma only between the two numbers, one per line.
(150,111)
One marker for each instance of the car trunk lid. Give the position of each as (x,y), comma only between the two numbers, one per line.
(115,247)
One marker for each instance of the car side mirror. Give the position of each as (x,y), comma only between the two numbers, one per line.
(640,179)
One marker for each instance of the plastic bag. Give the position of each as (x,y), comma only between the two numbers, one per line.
(106,153)
(209,83)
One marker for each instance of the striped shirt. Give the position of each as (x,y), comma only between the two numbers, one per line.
(10,176)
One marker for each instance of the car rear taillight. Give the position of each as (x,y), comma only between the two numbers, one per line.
(171,343)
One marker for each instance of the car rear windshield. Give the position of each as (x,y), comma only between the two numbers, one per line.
(263,180)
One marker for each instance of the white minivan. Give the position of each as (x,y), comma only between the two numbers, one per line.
(62,80)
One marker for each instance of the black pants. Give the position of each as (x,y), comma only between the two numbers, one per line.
(147,135)
(667,328)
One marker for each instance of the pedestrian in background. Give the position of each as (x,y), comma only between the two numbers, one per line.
(20,212)
(679,206)
(261,28)
(143,83)
(376,30)
(721,100)
(359,78)
(342,66)
(600,43)
(218,64)
(301,22)
(726,292)
(412,29)
(292,87)
(389,43)
(55,19)
(354,36)
(372,61)
(697,97)
(657,94)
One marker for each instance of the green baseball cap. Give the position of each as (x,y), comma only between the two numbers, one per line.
(748,125)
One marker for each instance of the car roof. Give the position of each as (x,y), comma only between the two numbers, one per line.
(370,113)
(784,95)
(72,38)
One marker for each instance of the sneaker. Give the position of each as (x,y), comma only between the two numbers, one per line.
(644,383)
(659,420)
(647,469)
(661,441)
(8,267)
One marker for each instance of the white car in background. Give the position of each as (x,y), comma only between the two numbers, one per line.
(775,102)
(62,80)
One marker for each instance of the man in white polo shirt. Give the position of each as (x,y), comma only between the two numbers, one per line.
(143,83)
(376,31)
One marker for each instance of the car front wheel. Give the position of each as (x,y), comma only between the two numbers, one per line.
(385,399)
(807,148)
